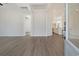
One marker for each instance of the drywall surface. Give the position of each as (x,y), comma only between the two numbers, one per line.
(73,21)
(11,21)
(41,22)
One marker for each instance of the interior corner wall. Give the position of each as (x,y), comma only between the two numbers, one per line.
(11,21)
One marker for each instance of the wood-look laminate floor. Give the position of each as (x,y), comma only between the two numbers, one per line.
(32,46)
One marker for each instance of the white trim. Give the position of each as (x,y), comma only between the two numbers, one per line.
(41,35)
(76,48)
(12,35)
(66,21)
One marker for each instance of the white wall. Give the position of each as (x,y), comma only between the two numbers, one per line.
(41,23)
(73,21)
(11,21)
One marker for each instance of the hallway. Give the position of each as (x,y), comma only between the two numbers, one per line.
(32,46)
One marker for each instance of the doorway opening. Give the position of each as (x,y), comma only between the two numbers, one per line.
(26,10)
(58,19)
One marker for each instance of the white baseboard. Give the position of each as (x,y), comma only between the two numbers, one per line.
(12,35)
(76,48)
(25,34)
(42,35)
(70,49)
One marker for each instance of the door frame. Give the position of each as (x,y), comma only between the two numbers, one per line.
(67,20)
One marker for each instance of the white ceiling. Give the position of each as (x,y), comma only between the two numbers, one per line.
(22,4)
(28,6)
(32,5)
